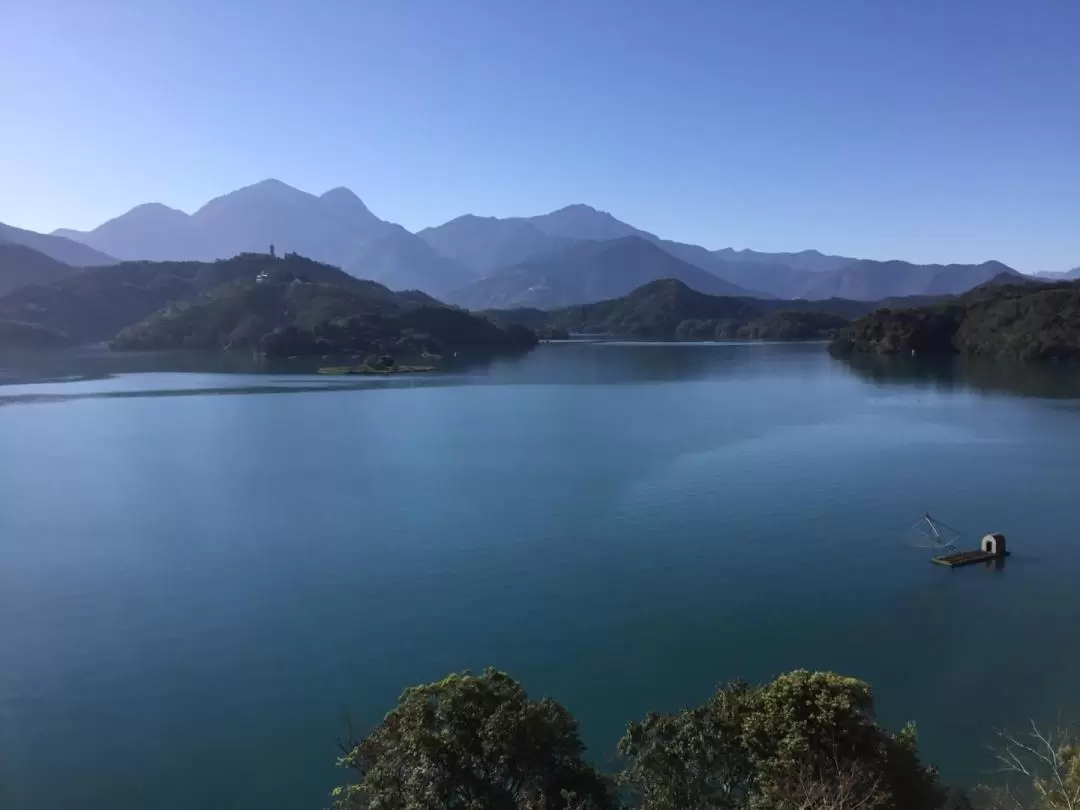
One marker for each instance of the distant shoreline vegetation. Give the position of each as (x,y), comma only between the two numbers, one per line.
(279,307)
(1035,321)
(292,307)
(670,310)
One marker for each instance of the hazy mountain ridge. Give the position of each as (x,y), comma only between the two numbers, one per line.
(813,260)
(329,228)
(585,272)
(869,280)
(21,266)
(339,229)
(69,251)
(1065,274)
(486,244)
(807,274)
(403,261)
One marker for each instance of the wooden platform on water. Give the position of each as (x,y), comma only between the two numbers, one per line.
(968,558)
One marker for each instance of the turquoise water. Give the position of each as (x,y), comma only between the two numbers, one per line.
(201,573)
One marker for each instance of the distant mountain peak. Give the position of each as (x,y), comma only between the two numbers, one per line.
(153,206)
(155,211)
(582,207)
(270,183)
(661,285)
(470,218)
(586,271)
(268,189)
(265,191)
(580,221)
(345,200)
(332,227)
(339,191)
(341,194)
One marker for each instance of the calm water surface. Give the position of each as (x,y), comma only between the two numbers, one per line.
(201,573)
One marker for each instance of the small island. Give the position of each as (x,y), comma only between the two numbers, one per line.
(380,365)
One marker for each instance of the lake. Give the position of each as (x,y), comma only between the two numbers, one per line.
(203,571)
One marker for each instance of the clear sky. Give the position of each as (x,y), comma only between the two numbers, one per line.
(929,130)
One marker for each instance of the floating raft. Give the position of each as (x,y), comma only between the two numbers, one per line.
(991,548)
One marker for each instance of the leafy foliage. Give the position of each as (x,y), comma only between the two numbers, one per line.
(1044,769)
(472,741)
(694,759)
(748,745)
(807,740)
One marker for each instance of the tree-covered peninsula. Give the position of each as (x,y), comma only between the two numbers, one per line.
(1030,321)
(279,306)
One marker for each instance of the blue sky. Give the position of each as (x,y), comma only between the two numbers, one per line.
(941,130)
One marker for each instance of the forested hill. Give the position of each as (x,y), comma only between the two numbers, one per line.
(1031,321)
(21,265)
(292,316)
(238,303)
(670,310)
(95,304)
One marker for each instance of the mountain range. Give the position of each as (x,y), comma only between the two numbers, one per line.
(69,251)
(570,255)
(21,265)
(584,272)
(1066,275)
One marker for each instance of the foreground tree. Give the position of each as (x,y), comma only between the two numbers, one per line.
(804,740)
(472,742)
(1044,771)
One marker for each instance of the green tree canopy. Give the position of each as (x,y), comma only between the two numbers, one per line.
(472,742)
(776,746)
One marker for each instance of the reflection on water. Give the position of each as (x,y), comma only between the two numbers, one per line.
(54,375)
(96,362)
(958,373)
(95,372)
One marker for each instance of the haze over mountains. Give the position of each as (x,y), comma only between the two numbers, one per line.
(570,256)
(21,265)
(1068,274)
(584,272)
(69,251)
